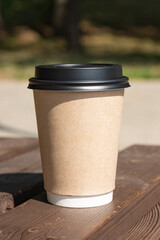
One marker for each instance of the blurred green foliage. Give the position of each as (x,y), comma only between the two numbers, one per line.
(122,13)
(33,13)
(119,14)
(139,60)
(117,31)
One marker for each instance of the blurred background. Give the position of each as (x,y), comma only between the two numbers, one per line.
(37,32)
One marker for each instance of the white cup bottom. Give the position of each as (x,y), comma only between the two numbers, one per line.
(79,202)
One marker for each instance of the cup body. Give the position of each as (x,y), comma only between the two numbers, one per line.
(78,136)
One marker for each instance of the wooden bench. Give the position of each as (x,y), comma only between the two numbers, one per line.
(26,215)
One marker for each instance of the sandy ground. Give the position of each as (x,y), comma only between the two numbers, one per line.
(140,121)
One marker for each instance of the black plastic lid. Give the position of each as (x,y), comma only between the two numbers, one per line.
(78,77)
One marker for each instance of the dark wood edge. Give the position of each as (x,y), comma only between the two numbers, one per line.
(6,202)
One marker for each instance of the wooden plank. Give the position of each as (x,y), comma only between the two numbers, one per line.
(21,176)
(137,191)
(148,227)
(11,147)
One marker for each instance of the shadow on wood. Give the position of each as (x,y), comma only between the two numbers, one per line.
(22,186)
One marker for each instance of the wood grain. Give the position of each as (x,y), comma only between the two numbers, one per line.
(137,191)
(10,147)
(148,227)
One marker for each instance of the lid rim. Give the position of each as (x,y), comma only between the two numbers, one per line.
(79,88)
(92,65)
(78,77)
(49,81)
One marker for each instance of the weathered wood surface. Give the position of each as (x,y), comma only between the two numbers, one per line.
(148,227)
(6,202)
(137,191)
(10,147)
(20,175)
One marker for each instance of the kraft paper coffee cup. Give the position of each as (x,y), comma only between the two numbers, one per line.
(78,109)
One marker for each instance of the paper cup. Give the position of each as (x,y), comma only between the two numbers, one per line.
(78,125)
